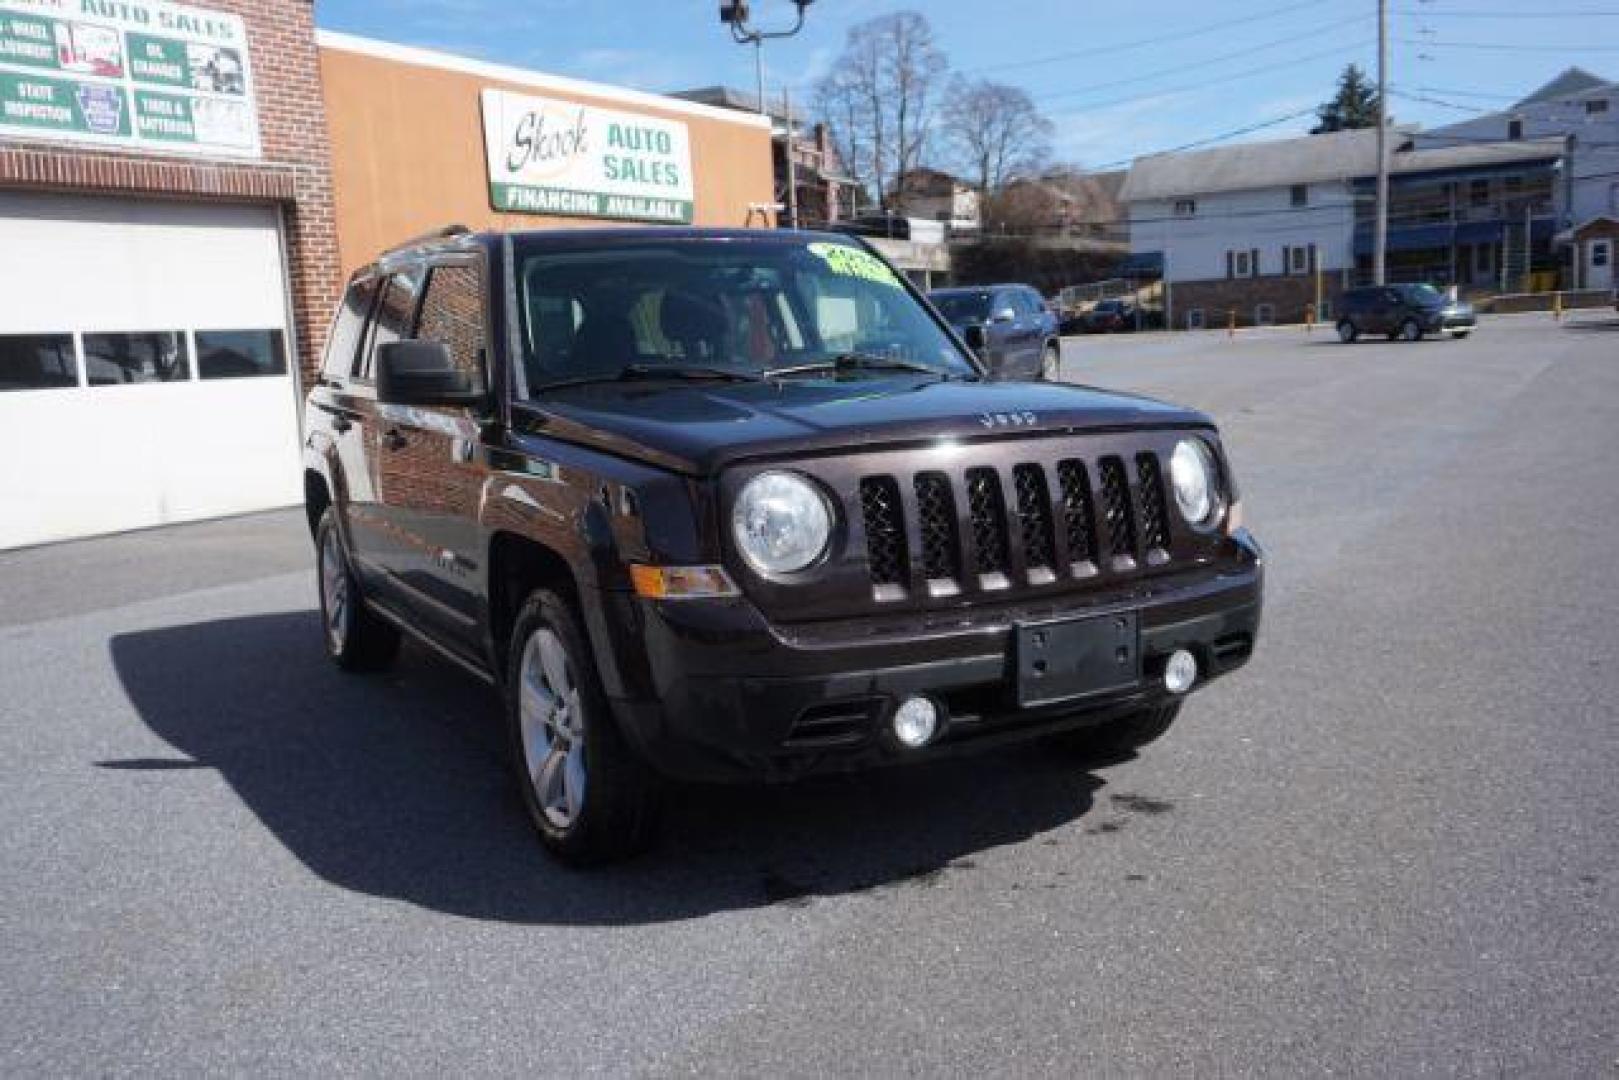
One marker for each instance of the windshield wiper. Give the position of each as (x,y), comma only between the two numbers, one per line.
(853,361)
(643,372)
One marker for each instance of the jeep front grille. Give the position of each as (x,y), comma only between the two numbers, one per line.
(1030,524)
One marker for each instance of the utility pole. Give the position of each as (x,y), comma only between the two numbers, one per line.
(735,15)
(1380,229)
(792,164)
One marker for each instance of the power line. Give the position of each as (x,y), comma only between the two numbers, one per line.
(1182,88)
(1182,35)
(1290,39)
(1543,13)
(1249,129)
(1506,47)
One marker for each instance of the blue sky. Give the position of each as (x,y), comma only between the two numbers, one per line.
(1118,79)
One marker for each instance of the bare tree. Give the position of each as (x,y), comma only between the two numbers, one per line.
(996,133)
(879,101)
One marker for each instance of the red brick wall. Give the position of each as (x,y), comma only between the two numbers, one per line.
(295,170)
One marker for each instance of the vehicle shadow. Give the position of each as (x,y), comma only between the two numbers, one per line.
(396,786)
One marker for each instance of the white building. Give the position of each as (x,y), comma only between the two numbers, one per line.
(1583,110)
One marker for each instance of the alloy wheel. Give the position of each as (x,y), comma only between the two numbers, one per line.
(552,721)
(334,589)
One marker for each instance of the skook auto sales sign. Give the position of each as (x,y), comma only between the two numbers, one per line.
(563,158)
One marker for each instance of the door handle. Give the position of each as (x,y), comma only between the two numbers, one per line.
(393,440)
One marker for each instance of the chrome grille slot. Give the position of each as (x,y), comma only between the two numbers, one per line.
(987,513)
(1034,523)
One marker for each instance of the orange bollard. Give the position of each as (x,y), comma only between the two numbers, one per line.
(1557,305)
(1309,318)
(1231,323)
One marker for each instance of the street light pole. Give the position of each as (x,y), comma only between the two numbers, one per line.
(1380,229)
(734,14)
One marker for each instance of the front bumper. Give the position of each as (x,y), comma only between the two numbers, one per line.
(1452,322)
(728,696)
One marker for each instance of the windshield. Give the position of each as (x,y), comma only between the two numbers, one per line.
(1425,295)
(720,306)
(962,307)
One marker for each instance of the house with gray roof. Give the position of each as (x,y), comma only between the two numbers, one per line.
(1269,231)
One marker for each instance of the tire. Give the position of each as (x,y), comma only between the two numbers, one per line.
(1124,735)
(1458,335)
(587,794)
(1408,331)
(1347,333)
(357,639)
(1051,363)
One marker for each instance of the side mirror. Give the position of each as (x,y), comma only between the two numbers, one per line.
(422,373)
(975,338)
(1006,314)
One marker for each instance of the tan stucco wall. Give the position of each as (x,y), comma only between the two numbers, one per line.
(407,154)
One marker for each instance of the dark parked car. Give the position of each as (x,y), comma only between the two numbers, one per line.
(1010,326)
(732,505)
(1111,317)
(1403,312)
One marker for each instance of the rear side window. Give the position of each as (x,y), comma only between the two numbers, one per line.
(342,348)
(395,311)
(37,362)
(452,313)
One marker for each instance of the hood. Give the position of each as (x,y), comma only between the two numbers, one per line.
(699,428)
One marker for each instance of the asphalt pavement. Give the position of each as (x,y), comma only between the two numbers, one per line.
(1389,846)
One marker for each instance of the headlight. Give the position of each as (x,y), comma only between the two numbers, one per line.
(1192,471)
(781,522)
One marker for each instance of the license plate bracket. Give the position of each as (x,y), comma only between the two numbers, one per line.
(1075,658)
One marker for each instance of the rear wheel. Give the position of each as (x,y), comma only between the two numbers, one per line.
(590,798)
(1123,735)
(356,639)
(1051,364)
(1409,331)
(1347,332)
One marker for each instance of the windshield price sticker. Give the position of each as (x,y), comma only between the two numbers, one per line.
(853,262)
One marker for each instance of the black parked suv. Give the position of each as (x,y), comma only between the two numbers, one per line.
(738,505)
(1403,312)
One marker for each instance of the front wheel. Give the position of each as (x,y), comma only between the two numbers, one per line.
(587,794)
(1124,735)
(1410,331)
(1051,364)
(1347,332)
(356,638)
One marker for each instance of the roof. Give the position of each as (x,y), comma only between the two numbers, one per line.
(1476,155)
(1574,80)
(556,84)
(1339,155)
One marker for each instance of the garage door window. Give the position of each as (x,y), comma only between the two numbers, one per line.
(118,359)
(234,354)
(37,361)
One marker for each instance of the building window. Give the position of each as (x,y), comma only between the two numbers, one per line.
(1478,192)
(1264,315)
(37,362)
(1596,105)
(1244,268)
(1194,319)
(1300,195)
(118,359)
(1185,207)
(1513,185)
(1514,129)
(234,354)
(1300,260)
(1324,312)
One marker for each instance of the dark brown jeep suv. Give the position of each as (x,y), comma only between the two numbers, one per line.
(732,505)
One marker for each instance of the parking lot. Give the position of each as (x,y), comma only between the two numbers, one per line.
(1386,846)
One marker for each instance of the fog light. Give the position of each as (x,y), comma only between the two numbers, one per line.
(1181,672)
(916,722)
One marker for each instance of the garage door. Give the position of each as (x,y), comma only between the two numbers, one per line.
(146,370)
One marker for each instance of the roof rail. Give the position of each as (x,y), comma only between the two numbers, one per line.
(442,233)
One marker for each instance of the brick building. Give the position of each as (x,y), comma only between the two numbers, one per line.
(170,258)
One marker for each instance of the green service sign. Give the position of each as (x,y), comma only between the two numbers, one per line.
(27,41)
(158,60)
(164,116)
(45,104)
